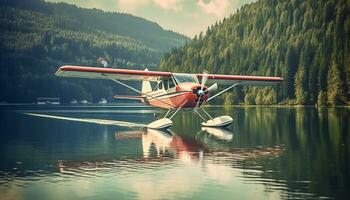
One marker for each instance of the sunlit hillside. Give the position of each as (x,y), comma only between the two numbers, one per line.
(37,37)
(306,42)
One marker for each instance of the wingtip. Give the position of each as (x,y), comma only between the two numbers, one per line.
(61,69)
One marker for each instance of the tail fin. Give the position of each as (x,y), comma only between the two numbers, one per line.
(146,86)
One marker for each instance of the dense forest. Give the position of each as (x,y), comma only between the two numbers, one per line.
(37,37)
(306,42)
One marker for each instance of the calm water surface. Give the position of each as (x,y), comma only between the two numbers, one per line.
(106,153)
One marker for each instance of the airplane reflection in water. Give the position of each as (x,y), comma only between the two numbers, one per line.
(154,145)
(166,158)
(137,147)
(169,166)
(220,133)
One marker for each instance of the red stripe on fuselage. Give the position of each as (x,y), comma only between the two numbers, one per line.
(183,97)
(183,100)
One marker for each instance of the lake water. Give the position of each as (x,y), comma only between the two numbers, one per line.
(106,153)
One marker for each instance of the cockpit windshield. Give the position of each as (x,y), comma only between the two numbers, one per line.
(182,78)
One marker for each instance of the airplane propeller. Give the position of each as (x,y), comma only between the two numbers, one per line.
(213,88)
(202,92)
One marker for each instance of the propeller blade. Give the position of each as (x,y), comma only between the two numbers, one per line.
(201,92)
(213,88)
(204,79)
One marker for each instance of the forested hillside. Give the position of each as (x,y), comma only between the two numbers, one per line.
(37,37)
(306,42)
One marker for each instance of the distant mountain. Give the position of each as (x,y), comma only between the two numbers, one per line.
(37,37)
(306,42)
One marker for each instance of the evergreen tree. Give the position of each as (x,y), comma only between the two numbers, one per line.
(322,98)
(300,82)
(335,93)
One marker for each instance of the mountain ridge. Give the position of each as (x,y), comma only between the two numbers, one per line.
(37,37)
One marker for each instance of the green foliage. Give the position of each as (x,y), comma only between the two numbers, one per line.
(300,86)
(322,98)
(249,98)
(293,39)
(335,86)
(228,99)
(260,96)
(37,37)
(266,96)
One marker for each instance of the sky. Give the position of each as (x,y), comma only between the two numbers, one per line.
(188,17)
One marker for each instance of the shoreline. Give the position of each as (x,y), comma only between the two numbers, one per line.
(277,106)
(140,105)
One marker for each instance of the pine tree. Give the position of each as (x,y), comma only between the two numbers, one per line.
(228,99)
(291,65)
(300,82)
(322,98)
(335,91)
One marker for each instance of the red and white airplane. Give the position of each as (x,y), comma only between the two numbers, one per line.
(172,91)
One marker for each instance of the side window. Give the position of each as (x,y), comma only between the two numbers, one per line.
(171,83)
(166,82)
(160,85)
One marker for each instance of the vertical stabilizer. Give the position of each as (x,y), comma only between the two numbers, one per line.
(146,85)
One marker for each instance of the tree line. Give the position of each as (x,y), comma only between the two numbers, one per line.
(304,41)
(37,37)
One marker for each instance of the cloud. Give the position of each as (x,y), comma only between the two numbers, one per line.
(216,7)
(169,4)
(130,5)
(189,17)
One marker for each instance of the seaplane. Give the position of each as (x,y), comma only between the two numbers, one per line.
(171,91)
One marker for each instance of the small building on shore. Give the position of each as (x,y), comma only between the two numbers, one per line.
(103,101)
(48,101)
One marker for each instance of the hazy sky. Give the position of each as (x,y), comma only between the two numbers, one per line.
(188,17)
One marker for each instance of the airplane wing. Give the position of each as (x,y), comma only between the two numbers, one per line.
(140,75)
(243,80)
(109,73)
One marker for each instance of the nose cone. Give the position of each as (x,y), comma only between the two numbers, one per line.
(194,94)
(197,89)
(202,95)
